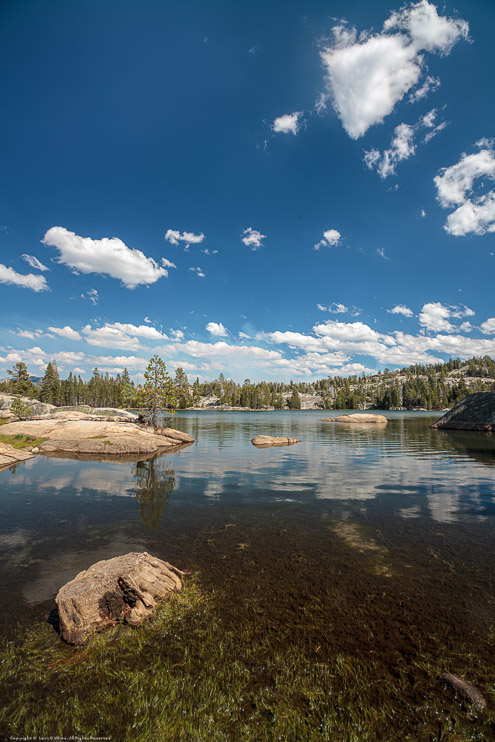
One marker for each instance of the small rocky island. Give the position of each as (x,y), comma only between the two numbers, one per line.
(266,441)
(475,412)
(357,419)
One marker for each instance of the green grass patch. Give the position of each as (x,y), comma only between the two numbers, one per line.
(96,437)
(22,441)
(4,420)
(189,675)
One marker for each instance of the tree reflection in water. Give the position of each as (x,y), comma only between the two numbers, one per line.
(153,489)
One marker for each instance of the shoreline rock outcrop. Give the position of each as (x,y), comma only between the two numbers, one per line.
(357,418)
(475,412)
(10,455)
(79,433)
(38,408)
(126,588)
(265,441)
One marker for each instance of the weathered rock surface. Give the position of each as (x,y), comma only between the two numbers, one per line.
(78,433)
(125,588)
(467,690)
(38,408)
(476,412)
(264,441)
(10,455)
(357,418)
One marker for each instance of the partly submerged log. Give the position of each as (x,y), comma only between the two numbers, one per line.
(126,588)
(467,690)
(265,441)
(362,418)
(476,412)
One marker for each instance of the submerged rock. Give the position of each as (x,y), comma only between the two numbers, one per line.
(357,418)
(125,588)
(476,412)
(467,690)
(265,441)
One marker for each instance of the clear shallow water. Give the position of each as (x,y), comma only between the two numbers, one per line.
(344,495)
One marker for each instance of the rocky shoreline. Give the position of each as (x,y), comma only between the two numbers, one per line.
(101,432)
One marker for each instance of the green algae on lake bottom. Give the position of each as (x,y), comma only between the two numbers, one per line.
(297,636)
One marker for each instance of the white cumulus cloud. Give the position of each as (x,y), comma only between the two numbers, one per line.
(65,332)
(331,238)
(401,309)
(435,317)
(475,213)
(27,281)
(488,326)
(217,328)
(108,256)
(368,75)
(288,123)
(253,238)
(122,335)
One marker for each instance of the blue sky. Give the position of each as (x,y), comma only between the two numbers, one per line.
(273,192)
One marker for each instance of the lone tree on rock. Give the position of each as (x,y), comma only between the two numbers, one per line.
(157,393)
(20,408)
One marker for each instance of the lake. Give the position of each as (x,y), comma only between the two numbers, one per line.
(384,535)
(58,516)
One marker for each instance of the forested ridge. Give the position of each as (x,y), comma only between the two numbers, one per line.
(434,386)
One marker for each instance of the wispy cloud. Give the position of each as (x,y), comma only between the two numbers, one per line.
(403,144)
(186,238)
(34,263)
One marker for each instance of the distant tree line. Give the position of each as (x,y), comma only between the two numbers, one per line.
(432,386)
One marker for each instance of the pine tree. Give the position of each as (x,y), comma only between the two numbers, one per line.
(127,393)
(50,386)
(182,389)
(20,409)
(157,392)
(21,383)
(295,401)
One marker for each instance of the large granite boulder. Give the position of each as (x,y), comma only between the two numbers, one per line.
(126,588)
(38,408)
(476,412)
(357,418)
(265,441)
